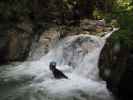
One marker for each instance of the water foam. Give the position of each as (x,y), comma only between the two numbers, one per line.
(77,56)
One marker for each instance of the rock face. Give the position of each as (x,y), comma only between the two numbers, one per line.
(46,40)
(116,69)
(94,27)
(16,38)
(14,42)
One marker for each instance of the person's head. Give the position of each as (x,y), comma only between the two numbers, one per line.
(52,65)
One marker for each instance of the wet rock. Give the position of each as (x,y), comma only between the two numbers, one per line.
(26,25)
(95,27)
(46,41)
(15,43)
(87,25)
(48,38)
(18,44)
(107,29)
(85,32)
(115,65)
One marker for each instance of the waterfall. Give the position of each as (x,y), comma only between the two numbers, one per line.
(77,56)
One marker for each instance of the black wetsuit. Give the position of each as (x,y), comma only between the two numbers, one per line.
(58,74)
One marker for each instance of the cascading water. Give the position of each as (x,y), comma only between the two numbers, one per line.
(77,56)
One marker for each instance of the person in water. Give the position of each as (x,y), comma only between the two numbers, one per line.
(56,72)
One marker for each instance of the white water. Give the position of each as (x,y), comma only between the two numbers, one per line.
(77,57)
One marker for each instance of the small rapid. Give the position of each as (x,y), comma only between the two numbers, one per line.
(77,56)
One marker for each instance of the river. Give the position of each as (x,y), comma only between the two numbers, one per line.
(77,56)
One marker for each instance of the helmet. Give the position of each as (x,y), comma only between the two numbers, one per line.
(52,65)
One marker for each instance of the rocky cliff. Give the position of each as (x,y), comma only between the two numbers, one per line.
(115,66)
(15,41)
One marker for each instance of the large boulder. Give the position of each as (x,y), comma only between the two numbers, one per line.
(15,42)
(115,65)
(46,40)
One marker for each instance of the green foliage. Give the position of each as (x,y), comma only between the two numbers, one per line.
(125,34)
(124,37)
(122,12)
(125,4)
(97,14)
(51,9)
